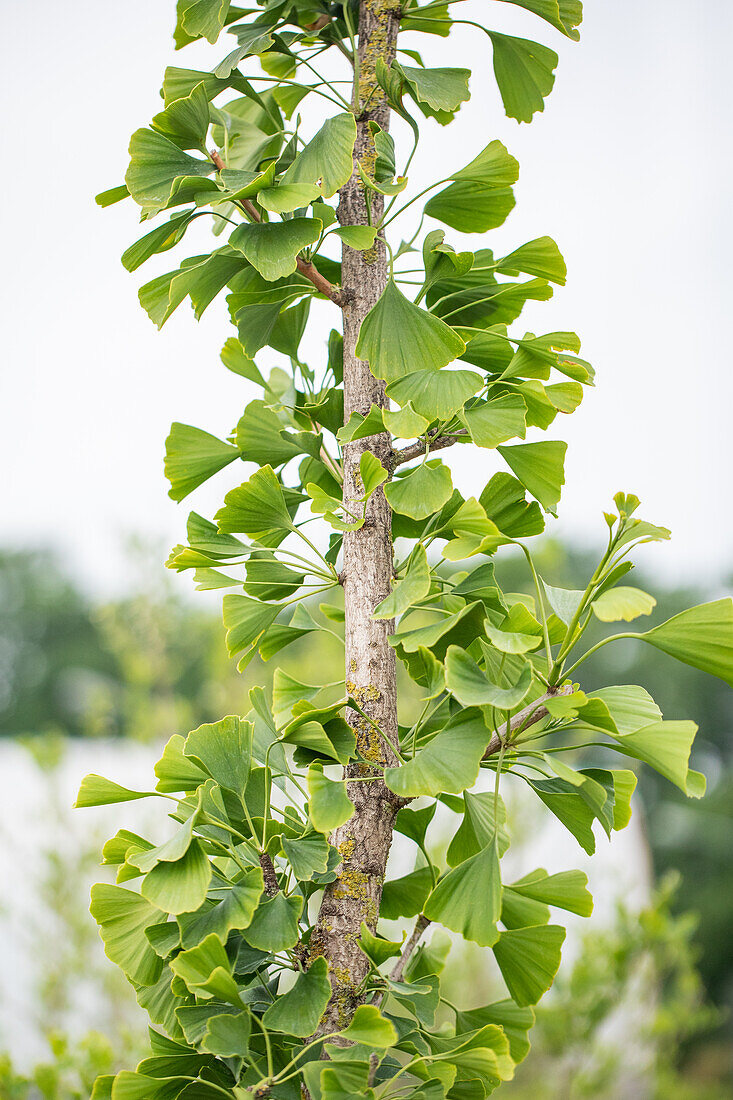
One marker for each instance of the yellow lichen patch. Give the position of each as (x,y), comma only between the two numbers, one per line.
(352,884)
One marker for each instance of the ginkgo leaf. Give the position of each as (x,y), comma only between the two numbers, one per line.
(410,589)
(496,421)
(298,1011)
(563,15)
(565,890)
(397,337)
(257,508)
(541,469)
(405,423)
(179,886)
(701,637)
(525,73)
(450,762)
(193,456)
(327,159)
(155,162)
(274,926)
(123,917)
(224,750)
(273,247)
(441,89)
(422,491)
(329,804)
(359,237)
(436,394)
(540,257)
(471,686)
(245,620)
(453,901)
(370,1028)
(186,120)
(481,196)
(622,603)
(528,959)
(95,790)
(666,747)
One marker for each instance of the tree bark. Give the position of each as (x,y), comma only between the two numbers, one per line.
(364,841)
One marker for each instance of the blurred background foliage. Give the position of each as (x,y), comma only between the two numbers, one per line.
(153,662)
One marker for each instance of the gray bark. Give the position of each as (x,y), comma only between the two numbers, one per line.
(364,841)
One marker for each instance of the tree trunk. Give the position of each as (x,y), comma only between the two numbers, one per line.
(364,841)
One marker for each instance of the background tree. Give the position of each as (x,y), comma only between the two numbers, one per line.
(255,927)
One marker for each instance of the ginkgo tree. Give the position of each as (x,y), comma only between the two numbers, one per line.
(253,935)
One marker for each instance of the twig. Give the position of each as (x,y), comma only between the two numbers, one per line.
(307,269)
(531,714)
(395,974)
(415,450)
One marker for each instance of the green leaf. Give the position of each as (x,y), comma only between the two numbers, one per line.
(329,804)
(274,926)
(327,159)
(273,247)
(566,890)
(123,917)
(179,886)
(160,239)
(202,18)
(504,502)
(511,641)
(450,762)
(155,162)
(95,790)
(453,901)
(224,750)
(630,706)
(245,620)
(193,456)
(377,949)
(622,603)
(227,1035)
(298,1011)
(436,394)
(288,690)
(514,1021)
(441,89)
(701,637)
(528,959)
(525,73)
(174,771)
(412,588)
(286,197)
(495,421)
(372,473)
(308,855)
(260,437)
(541,469)
(234,912)
(425,670)
(563,15)
(481,196)
(481,817)
(666,747)
(369,1027)
(257,508)
(397,337)
(563,601)
(422,492)
(206,971)
(472,687)
(565,802)
(406,896)
(540,257)
(186,121)
(360,427)
(405,423)
(359,237)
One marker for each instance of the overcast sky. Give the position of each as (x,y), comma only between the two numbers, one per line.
(629,169)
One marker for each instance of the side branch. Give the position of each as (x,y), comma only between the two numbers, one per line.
(399,967)
(305,267)
(531,714)
(415,450)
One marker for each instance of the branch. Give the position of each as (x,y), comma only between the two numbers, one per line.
(305,267)
(395,974)
(268,874)
(531,714)
(437,443)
